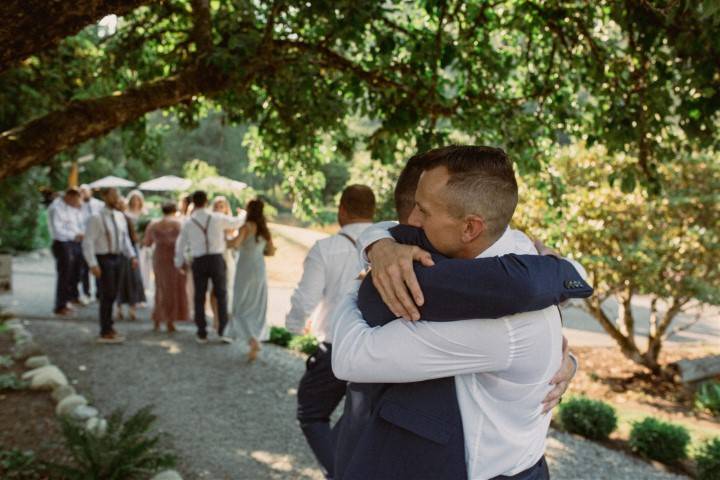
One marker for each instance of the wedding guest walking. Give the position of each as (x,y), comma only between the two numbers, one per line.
(66,228)
(106,241)
(137,213)
(171,301)
(220,204)
(131,291)
(90,206)
(204,235)
(329,269)
(253,243)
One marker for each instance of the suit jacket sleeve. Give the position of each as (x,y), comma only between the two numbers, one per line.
(493,287)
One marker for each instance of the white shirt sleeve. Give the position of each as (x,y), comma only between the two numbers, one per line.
(404,351)
(228,221)
(309,291)
(92,231)
(64,222)
(180,246)
(372,234)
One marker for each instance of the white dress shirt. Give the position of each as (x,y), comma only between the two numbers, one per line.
(502,368)
(329,269)
(64,221)
(91,207)
(106,233)
(204,234)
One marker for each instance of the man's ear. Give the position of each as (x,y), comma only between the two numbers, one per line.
(473,227)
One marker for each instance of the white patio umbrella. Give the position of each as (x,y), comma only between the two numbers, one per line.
(166,183)
(222,183)
(111,182)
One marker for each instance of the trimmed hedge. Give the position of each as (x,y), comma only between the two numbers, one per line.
(592,419)
(708,460)
(659,440)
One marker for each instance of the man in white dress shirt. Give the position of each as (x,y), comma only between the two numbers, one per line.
(203,234)
(502,367)
(66,228)
(329,268)
(106,241)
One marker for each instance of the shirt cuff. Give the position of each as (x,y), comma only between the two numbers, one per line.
(370,235)
(575,364)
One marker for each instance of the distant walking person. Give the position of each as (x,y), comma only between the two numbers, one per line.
(66,228)
(204,235)
(106,241)
(330,267)
(90,206)
(253,243)
(220,204)
(131,291)
(171,300)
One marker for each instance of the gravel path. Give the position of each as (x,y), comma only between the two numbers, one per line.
(231,420)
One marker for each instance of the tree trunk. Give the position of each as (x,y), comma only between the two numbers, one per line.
(28,27)
(39,140)
(627,345)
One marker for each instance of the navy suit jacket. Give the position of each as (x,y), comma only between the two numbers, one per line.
(414,430)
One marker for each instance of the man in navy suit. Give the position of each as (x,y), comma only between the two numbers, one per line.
(415,429)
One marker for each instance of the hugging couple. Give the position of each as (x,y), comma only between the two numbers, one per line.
(452,344)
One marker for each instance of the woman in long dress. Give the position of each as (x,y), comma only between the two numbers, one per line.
(138,214)
(250,296)
(171,301)
(131,291)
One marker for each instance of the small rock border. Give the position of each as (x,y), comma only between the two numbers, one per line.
(42,374)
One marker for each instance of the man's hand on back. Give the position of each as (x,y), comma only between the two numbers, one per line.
(394,277)
(561,380)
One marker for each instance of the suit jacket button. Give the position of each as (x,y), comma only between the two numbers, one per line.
(568,284)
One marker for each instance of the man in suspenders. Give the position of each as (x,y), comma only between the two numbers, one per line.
(329,267)
(204,235)
(106,241)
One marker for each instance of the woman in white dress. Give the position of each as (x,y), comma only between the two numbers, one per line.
(250,297)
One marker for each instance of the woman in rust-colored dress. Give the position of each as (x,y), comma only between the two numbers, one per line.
(171,301)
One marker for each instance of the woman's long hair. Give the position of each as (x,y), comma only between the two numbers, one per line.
(255,214)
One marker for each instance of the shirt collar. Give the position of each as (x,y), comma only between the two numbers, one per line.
(355,229)
(511,241)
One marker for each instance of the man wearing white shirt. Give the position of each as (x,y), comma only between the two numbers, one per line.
(330,266)
(203,234)
(502,367)
(106,241)
(66,228)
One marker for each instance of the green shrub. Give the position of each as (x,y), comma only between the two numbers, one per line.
(307,344)
(708,460)
(19,465)
(708,397)
(10,381)
(125,451)
(659,440)
(592,419)
(6,361)
(280,336)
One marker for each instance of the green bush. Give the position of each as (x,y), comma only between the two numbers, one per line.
(9,381)
(708,397)
(6,361)
(592,419)
(19,465)
(280,336)
(659,440)
(307,344)
(125,451)
(708,460)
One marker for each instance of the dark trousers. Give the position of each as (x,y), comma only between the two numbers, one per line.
(204,268)
(84,273)
(66,266)
(539,471)
(109,284)
(76,270)
(319,394)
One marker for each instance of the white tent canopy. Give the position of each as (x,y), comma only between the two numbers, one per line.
(222,183)
(111,181)
(166,183)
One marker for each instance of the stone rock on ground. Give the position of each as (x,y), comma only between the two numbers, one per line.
(97,426)
(37,362)
(62,391)
(24,350)
(84,412)
(167,475)
(68,404)
(49,379)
